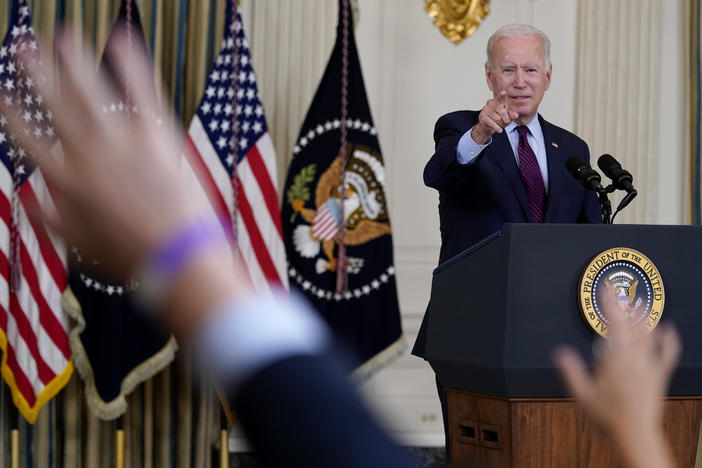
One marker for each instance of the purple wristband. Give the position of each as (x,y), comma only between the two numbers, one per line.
(175,252)
(156,274)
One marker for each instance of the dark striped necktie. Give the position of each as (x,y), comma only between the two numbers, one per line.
(531,176)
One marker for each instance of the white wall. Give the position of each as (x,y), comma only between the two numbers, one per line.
(413,75)
(673,201)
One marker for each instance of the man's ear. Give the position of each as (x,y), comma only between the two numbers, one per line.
(488,76)
(548,76)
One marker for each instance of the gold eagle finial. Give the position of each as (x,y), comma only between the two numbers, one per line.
(457,19)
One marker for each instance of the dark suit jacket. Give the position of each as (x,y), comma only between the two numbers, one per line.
(302,411)
(476,199)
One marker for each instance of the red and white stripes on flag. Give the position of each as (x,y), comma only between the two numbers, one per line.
(36,359)
(231,152)
(327,221)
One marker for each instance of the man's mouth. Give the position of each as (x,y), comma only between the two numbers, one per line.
(520,98)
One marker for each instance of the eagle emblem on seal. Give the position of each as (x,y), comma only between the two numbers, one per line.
(623,286)
(362,215)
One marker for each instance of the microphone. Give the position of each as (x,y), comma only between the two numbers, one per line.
(584,174)
(621,178)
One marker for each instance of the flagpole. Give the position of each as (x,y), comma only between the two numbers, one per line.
(341,272)
(14,438)
(223,441)
(226,419)
(235,129)
(119,443)
(14,442)
(127,91)
(15,276)
(148,423)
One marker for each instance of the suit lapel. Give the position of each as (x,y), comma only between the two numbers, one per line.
(555,163)
(502,151)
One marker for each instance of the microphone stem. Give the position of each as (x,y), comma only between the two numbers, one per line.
(625,201)
(606,206)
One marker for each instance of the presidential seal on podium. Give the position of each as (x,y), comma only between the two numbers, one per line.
(631,278)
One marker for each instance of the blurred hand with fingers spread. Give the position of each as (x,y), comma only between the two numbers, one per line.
(106,176)
(623,394)
(119,188)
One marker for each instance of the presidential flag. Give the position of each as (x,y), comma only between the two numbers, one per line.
(117,344)
(36,356)
(231,152)
(335,194)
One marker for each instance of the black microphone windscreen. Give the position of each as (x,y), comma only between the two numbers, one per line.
(573,164)
(606,163)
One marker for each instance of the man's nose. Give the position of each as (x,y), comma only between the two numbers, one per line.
(519,79)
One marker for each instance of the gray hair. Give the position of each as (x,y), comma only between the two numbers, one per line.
(518,30)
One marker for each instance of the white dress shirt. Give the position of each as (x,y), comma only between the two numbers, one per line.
(242,336)
(468,149)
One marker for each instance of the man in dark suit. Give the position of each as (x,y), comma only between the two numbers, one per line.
(505,163)
(477,198)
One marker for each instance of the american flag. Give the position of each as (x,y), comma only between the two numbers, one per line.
(230,150)
(33,327)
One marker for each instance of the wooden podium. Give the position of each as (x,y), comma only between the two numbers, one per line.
(551,433)
(499,309)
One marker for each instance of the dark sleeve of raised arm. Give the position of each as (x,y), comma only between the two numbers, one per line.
(443,171)
(302,411)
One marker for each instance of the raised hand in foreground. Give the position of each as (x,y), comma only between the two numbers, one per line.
(623,394)
(120,192)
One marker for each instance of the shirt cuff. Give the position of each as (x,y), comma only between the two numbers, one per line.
(243,336)
(468,149)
